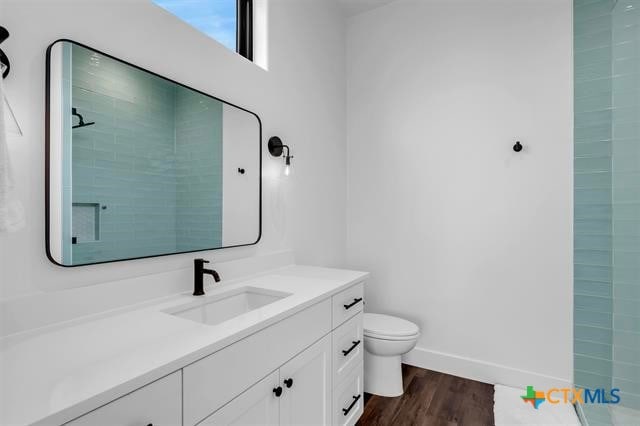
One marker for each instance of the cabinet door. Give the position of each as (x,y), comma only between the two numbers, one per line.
(158,404)
(307,401)
(258,405)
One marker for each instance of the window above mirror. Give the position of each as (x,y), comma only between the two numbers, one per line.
(229,22)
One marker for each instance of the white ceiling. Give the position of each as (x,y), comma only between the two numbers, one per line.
(355,7)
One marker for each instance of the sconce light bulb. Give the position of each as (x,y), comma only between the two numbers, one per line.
(287,165)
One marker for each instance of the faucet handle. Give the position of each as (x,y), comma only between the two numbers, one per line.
(200,261)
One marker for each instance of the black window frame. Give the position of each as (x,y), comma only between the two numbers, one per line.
(244,28)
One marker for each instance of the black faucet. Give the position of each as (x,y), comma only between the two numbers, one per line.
(198,274)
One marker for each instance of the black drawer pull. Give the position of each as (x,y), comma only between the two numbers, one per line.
(355,302)
(355,399)
(348,351)
(278,391)
(288,382)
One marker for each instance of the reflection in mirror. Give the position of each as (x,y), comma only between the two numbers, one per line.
(142,166)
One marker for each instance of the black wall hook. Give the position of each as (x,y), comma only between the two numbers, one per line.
(517,147)
(4,60)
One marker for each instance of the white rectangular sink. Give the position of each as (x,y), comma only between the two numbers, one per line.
(218,308)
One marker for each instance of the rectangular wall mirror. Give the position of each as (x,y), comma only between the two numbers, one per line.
(139,165)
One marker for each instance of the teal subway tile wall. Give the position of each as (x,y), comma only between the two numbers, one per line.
(144,164)
(198,171)
(607,201)
(593,286)
(626,200)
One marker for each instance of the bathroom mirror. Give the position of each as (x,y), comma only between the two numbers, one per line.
(139,165)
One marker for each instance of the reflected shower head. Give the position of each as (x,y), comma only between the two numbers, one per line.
(81,122)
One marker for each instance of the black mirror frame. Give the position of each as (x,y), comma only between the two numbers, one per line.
(47,179)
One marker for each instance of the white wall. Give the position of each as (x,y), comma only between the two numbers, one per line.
(240,211)
(463,236)
(300,98)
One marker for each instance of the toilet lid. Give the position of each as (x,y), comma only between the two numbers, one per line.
(386,325)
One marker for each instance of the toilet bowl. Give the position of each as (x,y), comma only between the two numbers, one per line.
(386,339)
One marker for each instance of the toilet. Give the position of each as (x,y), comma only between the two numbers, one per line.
(386,339)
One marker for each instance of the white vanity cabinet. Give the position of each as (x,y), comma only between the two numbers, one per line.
(298,393)
(158,404)
(258,405)
(308,400)
(305,369)
(348,356)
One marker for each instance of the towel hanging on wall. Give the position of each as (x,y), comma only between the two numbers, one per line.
(5,67)
(11,210)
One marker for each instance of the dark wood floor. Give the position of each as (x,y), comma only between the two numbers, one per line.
(432,398)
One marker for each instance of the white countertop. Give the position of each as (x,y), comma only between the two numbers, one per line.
(56,375)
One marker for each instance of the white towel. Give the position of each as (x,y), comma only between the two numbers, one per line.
(509,409)
(11,210)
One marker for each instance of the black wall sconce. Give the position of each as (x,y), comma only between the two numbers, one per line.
(276,148)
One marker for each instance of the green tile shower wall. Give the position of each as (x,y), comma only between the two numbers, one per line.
(593,212)
(607,198)
(136,161)
(626,200)
(198,171)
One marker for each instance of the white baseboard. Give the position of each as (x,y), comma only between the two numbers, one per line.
(481,371)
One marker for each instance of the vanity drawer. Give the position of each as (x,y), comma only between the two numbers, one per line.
(348,348)
(347,303)
(158,403)
(213,381)
(348,399)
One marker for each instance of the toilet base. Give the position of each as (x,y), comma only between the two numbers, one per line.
(382,374)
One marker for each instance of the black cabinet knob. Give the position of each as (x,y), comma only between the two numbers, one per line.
(355,343)
(354,303)
(288,382)
(345,411)
(241,170)
(517,147)
(278,391)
